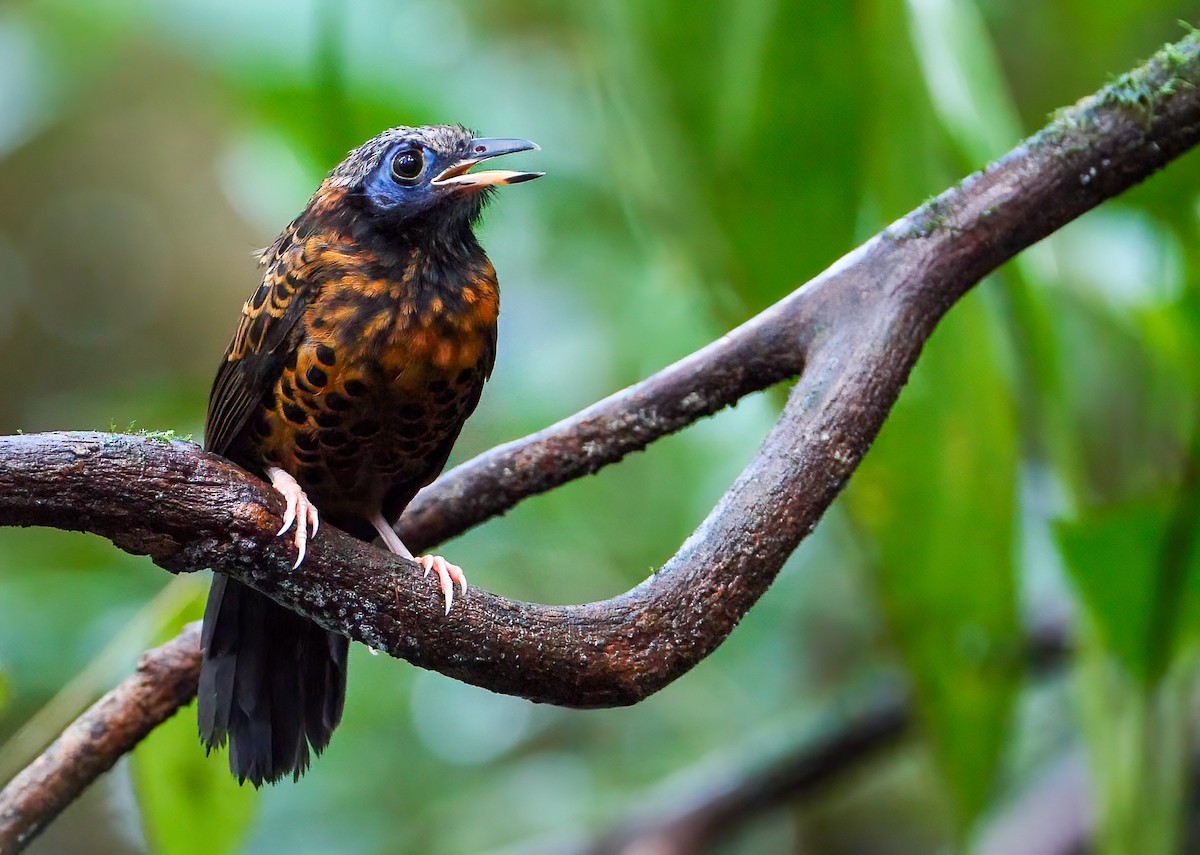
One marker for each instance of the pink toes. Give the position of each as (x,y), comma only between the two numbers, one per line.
(447,574)
(299,511)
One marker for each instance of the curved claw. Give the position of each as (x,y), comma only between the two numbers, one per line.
(447,574)
(289,515)
(299,511)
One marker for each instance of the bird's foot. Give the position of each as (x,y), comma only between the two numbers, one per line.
(447,573)
(300,511)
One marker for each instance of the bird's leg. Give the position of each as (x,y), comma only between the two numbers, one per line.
(299,510)
(447,573)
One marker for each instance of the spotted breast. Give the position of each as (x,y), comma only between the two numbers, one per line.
(372,396)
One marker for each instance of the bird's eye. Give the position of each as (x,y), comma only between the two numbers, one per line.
(407,166)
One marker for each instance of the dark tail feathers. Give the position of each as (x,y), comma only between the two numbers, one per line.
(272,683)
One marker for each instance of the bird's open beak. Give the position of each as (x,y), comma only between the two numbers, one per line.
(479,151)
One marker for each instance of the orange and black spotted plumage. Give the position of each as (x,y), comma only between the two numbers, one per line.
(353,368)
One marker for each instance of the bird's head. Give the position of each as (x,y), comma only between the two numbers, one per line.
(407,176)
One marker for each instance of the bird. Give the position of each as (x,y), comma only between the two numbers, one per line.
(354,365)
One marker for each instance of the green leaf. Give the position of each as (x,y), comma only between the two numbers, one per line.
(937,493)
(719,91)
(1137,749)
(189,802)
(1139,583)
(964,78)
(1112,556)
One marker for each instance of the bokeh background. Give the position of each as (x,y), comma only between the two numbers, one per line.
(703,159)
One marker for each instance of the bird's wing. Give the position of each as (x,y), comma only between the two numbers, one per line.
(265,334)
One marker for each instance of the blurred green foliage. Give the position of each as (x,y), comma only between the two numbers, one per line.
(947,465)
(702,162)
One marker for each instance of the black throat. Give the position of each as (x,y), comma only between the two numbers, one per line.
(436,255)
